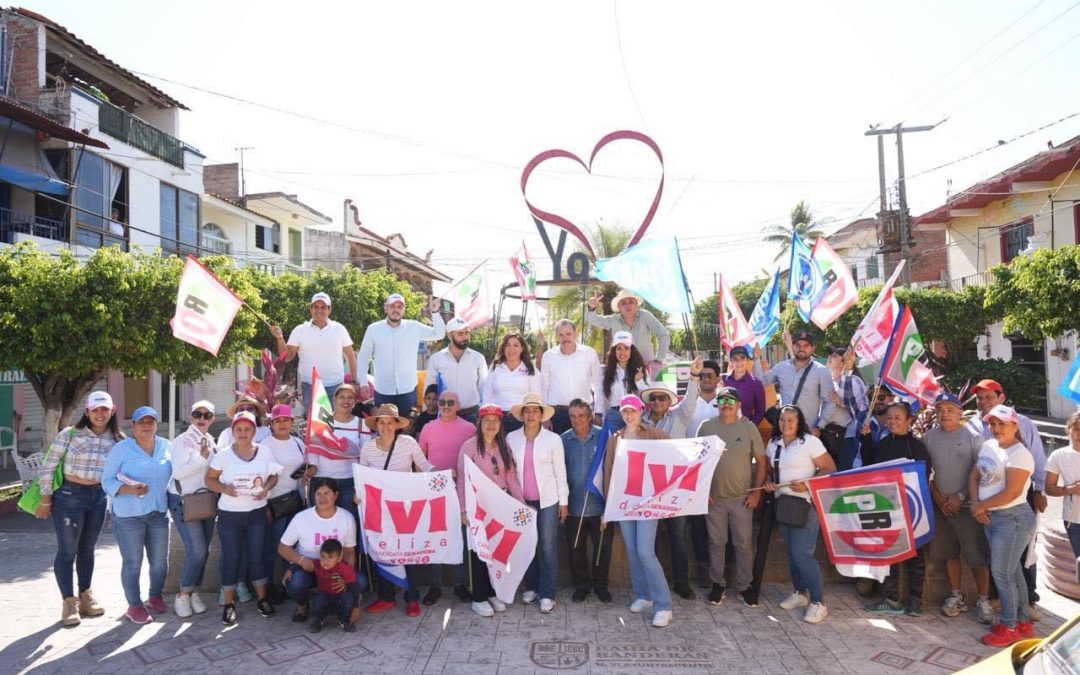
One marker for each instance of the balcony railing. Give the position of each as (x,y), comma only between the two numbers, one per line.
(122,125)
(12,222)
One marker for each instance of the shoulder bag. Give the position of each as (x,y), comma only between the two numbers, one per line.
(288,504)
(772,415)
(790,510)
(198,505)
(31,499)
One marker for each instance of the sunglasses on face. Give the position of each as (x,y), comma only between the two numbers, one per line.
(727,400)
(653,398)
(447,402)
(202,415)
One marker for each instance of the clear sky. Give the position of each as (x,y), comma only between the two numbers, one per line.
(426,112)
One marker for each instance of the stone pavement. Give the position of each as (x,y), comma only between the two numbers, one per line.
(576,638)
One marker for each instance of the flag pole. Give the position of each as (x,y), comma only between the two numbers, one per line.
(581,520)
(257,314)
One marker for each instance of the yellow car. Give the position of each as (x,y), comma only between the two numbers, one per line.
(1058,653)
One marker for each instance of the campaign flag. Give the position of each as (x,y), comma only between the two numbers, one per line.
(840,292)
(919,500)
(320,437)
(765,319)
(871,337)
(901,368)
(594,480)
(864,516)
(408,519)
(652,269)
(733,327)
(472,298)
(524,273)
(501,530)
(653,479)
(205,308)
(805,282)
(1070,386)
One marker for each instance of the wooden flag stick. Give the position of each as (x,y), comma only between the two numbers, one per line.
(581,521)
(257,314)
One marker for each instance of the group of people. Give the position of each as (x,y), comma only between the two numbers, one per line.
(287,518)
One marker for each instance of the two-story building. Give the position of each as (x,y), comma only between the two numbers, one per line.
(1033,204)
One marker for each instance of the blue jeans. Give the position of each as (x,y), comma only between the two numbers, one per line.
(339,603)
(305,394)
(1008,534)
(300,584)
(1073,530)
(388,589)
(540,577)
(803,567)
(647,580)
(196,537)
(404,402)
(680,556)
(242,531)
(133,535)
(78,512)
(274,531)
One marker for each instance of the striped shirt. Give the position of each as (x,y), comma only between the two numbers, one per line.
(406,453)
(83,453)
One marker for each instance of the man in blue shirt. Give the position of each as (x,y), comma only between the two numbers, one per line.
(579,444)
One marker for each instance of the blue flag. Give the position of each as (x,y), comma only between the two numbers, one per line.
(594,482)
(652,269)
(1070,387)
(765,320)
(806,284)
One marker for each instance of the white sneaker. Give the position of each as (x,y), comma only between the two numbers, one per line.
(528,597)
(661,618)
(546,605)
(197,605)
(795,601)
(182,605)
(483,609)
(816,613)
(497,604)
(640,605)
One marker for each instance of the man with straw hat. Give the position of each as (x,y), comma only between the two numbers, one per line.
(628,315)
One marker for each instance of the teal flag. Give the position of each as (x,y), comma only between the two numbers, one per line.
(652,269)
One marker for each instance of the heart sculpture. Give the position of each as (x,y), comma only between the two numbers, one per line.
(570,227)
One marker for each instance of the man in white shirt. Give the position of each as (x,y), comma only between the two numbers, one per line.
(320,343)
(394,343)
(462,369)
(569,370)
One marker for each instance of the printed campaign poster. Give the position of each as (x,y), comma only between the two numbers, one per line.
(653,479)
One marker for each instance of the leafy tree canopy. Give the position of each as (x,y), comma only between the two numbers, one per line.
(1038,294)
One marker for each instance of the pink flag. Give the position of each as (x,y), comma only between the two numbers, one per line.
(524,273)
(872,335)
(205,308)
(471,298)
(733,327)
(840,292)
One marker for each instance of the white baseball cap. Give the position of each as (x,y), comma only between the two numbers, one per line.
(456,324)
(99,399)
(622,338)
(203,404)
(320,296)
(394,297)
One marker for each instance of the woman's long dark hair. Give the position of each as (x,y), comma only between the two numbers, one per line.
(500,441)
(800,431)
(636,362)
(526,357)
(112,425)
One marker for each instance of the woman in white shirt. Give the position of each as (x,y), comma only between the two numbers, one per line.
(289,452)
(243,473)
(191,453)
(351,428)
(796,455)
(1064,465)
(998,485)
(624,374)
(512,376)
(245,403)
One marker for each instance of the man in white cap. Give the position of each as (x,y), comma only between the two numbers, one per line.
(321,343)
(462,369)
(394,343)
(571,371)
(628,315)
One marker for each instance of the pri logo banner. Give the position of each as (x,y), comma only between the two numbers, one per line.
(653,479)
(501,529)
(409,518)
(865,517)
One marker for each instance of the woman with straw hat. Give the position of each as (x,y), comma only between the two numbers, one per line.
(245,403)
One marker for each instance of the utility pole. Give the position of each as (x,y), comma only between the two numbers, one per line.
(243,179)
(903,216)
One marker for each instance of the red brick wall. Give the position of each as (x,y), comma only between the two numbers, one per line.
(222,179)
(929,256)
(22,35)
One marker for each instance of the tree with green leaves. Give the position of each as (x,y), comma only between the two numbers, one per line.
(801,220)
(707,316)
(67,323)
(1038,294)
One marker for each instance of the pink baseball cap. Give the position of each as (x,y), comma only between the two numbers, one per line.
(279,411)
(1003,413)
(632,402)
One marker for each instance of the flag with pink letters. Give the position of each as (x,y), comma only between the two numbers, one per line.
(653,479)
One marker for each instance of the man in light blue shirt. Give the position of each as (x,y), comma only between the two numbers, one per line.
(815,396)
(394,343)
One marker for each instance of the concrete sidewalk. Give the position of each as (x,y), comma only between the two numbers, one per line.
(576,638)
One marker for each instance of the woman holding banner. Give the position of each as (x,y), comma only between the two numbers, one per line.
(647,580)
(624,375)
(492,456)
(797,455)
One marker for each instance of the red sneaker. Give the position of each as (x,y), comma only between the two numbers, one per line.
(412,609)
(1025,629)
(157,605)
(381,606)
(1000,636)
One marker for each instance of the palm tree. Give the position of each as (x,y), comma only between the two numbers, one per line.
(801,221)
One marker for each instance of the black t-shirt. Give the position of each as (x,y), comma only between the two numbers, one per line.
(894,447)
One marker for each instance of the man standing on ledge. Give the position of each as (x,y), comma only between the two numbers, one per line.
(640,323)
(462,369)
(320,343)
(571,371)
(394,342)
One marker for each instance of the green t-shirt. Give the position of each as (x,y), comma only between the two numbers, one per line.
(742,442)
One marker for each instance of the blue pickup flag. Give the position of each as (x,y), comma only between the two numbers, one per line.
(1070,387)
(765,320)
(652,269)
(806,284)
(594,482)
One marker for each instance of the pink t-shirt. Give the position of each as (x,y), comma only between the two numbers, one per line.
(529,487)
(441,441)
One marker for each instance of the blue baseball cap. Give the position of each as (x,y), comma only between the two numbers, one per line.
(946,397)
(145,411)
(740,349)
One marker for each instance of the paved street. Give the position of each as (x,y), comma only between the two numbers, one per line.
(575,638)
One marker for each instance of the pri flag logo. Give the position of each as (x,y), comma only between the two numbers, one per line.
(865,517)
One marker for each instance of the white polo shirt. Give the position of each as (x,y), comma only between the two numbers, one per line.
(321,348)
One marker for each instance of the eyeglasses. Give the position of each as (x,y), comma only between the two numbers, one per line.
(707,376)
(202,415)
(447,402)
(727,400)
(653,398)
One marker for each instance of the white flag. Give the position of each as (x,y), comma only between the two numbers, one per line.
(654,479)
